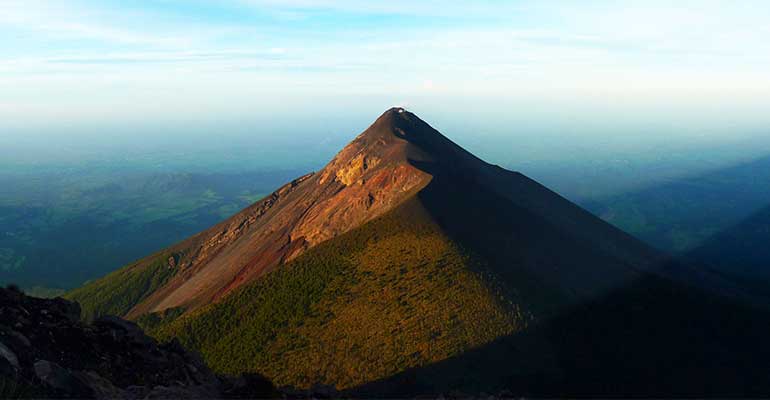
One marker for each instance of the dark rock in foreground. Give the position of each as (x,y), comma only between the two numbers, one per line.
(46,351)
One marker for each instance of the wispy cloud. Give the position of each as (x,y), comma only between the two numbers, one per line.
(57,20)
(438,8)
(162,57)
(233,47)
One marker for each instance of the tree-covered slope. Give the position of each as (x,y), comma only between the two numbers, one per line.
(654,338)
(118,292)
(394,294)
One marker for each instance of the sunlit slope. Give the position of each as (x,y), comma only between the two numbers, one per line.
(393,294)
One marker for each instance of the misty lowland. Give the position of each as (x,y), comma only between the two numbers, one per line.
(338,199)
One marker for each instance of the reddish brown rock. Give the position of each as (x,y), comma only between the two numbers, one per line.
(367,178)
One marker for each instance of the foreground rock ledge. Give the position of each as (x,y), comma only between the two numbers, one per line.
(46,351)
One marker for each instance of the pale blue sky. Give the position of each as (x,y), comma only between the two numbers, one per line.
(86,61)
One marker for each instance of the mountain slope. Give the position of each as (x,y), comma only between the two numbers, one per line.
(393,160)
(392,294)
(740,253)
(654,338)
(407,253)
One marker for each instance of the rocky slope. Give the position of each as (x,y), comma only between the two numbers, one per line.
(47,352)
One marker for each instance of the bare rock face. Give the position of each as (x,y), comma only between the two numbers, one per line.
(355,168)
(10,358)
(46,352)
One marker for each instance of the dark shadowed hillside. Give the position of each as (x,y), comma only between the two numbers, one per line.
(740,253)
(717,220)
(681,215)
(652,338)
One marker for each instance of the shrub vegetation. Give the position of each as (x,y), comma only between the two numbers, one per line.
(118,292)
(393,294)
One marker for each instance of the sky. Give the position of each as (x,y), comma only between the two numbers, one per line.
(124,68)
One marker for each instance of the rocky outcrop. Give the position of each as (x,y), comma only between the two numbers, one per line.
(234,228)
(47,352)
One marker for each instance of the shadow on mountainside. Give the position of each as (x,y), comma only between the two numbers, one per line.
(604,326)
(740,253)
(547,251)
(653,338)
(529,236)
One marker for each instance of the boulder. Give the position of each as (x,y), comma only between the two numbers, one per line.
(120,329)
(61,380)
(252,386)
(9,356)
(20,338)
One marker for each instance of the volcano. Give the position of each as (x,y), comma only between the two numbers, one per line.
(409,266)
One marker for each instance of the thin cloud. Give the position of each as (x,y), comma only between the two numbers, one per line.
(437,8)
(233,46)
(170,57)
(56,20)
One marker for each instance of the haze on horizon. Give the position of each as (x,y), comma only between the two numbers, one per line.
(516,82)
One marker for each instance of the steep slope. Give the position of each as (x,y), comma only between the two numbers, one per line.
(392,294)
(395,159)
